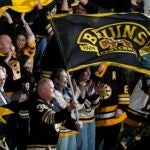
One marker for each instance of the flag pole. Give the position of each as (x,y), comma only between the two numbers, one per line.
(64,61)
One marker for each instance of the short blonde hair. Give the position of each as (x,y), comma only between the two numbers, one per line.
(3,69)
(44,82)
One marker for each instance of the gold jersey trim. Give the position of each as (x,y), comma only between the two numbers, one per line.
(112,121)
(67,134)
(107,109)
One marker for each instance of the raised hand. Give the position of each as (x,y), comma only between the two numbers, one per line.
(72,106)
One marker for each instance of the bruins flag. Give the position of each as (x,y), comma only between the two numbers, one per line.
(119,39)
(22,6)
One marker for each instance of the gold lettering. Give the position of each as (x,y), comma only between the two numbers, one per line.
(40,108)
(140,39)
(90,38)
(99,35)
(129,31)
(89,48)
(118,31)
(118,37)
(104,32)
(112,32)
(126,89)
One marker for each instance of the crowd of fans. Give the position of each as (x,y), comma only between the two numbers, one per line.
(84,110)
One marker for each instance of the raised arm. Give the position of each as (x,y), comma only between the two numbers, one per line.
(26,25)
(7,16)
(12,30)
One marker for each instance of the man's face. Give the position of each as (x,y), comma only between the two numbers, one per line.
(47,91)
(2,78)
(51,90)
(5,44)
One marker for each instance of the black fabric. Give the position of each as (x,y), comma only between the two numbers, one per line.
(145,85)
(40,132)
(5,3)
(117,5)
(81,100)
(86,44)
(92,97)
(110,136)
(23,59)
(52,58)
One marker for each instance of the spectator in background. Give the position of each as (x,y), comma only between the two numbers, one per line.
(89,99)
(147,7)
(10,61)
(8,57)
(88,6)
(25,43)
(67,136)
(24,46)
(111,111)
(137,5)
(28,87)
(3,101)
(138,113)
(25,40)
(82,7)
(8,131)
(27,79)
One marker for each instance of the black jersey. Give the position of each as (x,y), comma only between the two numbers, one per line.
(114,95)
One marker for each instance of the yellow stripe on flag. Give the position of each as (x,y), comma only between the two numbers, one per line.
(24,6)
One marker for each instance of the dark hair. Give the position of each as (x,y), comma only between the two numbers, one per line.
(56,73)
(22,33)
(77,74)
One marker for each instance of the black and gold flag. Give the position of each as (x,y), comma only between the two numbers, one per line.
(119,39)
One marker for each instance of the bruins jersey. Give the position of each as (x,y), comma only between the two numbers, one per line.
(114,95)
(68,128)
(12,85)
(43,117)
(138,111)
(13,65)
(30,49)
(87,113)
